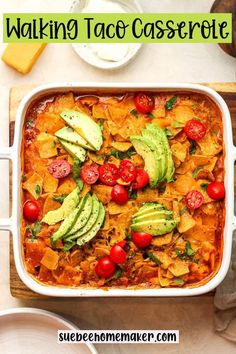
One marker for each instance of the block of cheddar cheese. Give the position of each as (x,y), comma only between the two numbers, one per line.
(21,56)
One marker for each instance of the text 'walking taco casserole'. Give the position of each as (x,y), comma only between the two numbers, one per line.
(123,191)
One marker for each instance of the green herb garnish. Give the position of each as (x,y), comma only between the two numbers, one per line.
(195,172)
(170,103)
(134,113)
(193,147)
(132,194)
(183,210)
(204,186)
(23,178)
(37,190)
(154,258)
(188,252)
(68,246)
(161,188)
(150,115)
(178,281)
(128,236)
(168,132)
(29,123)
(60,199)
(76,169)
(101,123)
(118,273)
(123,155)
(35,230)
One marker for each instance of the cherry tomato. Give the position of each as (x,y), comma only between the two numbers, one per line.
(216,190)
(108,174)
(121,243)
(59,168)
(89,174)
(194,200)
(141,180)
(141,239)
(117,254)
(105,267)
(127,171)
(31,210)
(119,194)
(144,103)
(195,130)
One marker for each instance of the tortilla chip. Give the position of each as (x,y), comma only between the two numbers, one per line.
(115,209)
(201,233)
(50,259)
(50,204)
(103,192)
(149,195)
(33,185)
(182,185)
(186,222)
(50,183)
(209,145)
(159,241)
(47,145)
(182,114)
(49,123)
(179,150)
(121,146)
(67,186)
(178,268)
(118,113)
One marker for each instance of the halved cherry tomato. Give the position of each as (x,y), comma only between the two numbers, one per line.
(216,190)
(194,200)
(141,239)
(89,174)
(105,267)
(31,210)
(121,243)
(119,194)
(141,180)
(144,103)
(127,171)
(117,254)
(108,174)
(59,168)
(195,130)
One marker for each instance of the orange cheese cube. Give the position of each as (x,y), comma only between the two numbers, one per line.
(22,56)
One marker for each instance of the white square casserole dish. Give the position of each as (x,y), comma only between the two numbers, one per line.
(13,224)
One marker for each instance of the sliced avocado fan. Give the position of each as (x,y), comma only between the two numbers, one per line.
(154,148)
(83,223)
(69,204)
(154,219)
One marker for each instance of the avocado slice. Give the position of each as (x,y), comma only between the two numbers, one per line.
(69,222)
(69,135)
(84,216)
(170,163)
(157,227)
(84,126)
(154,136)
(90,222)
(69,204)
(148,208)
(74,150)
(147,149)
(94,229)
(161,214)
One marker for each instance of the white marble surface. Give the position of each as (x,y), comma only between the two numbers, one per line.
(190,63)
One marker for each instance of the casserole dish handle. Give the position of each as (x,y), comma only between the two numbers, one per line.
(5,154)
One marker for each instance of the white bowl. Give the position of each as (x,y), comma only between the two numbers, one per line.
(91,58)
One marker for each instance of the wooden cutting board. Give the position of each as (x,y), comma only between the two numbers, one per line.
(18,289)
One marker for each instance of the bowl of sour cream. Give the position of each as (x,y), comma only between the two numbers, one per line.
(106,55)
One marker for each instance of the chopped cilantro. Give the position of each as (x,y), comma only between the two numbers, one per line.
(122,155)
(60,198)
(132,194)
(23,178)
(150,115)
(128,236)
(178,281)
(35,230)
(29,123)
(154,258)
(37,190)
(195,172)
(101,123)
(170,103)
(76,169)
(188,252)
(68,246)
(161,188)
(193,147)
(134,113)
(168,132)
(204,186)
(183,210)
(118,273)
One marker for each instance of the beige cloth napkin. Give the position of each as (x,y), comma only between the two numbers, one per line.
(225,302)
